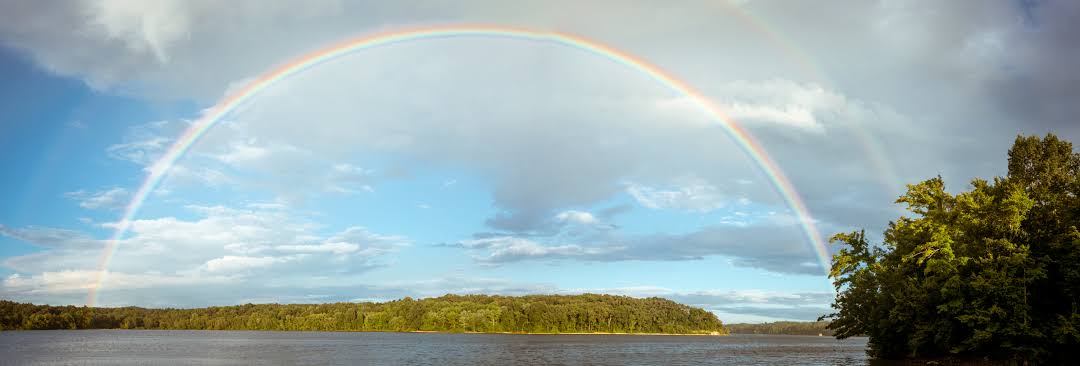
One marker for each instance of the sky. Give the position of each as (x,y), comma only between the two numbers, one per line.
(497,165)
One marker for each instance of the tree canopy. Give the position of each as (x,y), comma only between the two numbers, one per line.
(993,272)
(781,327)
(586,313)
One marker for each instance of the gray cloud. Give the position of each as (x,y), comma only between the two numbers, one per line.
(51,237)
(811,72)
(778,248)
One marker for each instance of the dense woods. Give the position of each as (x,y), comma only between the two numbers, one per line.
(781,327)
(993,272)
(451,313)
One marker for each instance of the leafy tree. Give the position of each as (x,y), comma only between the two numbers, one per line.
(991,272)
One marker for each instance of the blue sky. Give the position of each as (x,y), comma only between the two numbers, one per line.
(487,165)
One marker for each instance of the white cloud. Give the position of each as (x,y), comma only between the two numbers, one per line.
(231,263)
(231,159)
(791,115)
(782,102)
(358,234)
(135,47)
(509,249)
(336,248)
(142,152)
(113,199)
(348,178)
(267,206)
(243,152)
(145,144)
(695,195)
(222,243)
(80,281)
(576,217)
(143,27)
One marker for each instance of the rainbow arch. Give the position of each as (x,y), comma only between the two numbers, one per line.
(870,144)
(212,116)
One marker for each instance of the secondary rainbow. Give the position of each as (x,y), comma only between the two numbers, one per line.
(870,144)
(212,116)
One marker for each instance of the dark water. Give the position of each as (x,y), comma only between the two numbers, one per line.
(147,347)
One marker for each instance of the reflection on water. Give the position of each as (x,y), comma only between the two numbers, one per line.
(111,347)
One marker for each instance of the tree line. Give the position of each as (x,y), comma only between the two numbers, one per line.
(588,313)
(988,273)
(782,327)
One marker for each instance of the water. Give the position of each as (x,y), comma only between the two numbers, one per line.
(151,347)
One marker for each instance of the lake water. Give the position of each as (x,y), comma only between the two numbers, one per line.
(151,347)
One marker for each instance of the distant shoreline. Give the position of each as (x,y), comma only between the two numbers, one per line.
(446,332)
(714,334)
(717,334)
(493,314)
(441,332)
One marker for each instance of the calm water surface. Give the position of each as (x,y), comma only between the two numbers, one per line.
(149,347)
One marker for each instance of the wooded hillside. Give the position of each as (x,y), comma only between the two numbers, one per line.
(451,313)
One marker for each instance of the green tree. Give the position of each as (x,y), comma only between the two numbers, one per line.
(991,272)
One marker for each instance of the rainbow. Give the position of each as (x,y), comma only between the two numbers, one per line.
(870,144)
(802,59)
(212,116)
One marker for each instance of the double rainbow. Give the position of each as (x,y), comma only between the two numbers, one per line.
(213,115)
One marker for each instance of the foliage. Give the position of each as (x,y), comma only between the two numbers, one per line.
(782,327)
(992,272)
(586,313)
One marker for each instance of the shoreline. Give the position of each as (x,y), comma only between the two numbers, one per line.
(717,334)
(435,332)
(582,333)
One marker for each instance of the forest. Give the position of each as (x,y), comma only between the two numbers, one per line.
(988,273)
(781,327)
(588,313)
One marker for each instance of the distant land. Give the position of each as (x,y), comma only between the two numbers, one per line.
(587,313)
(782,327)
